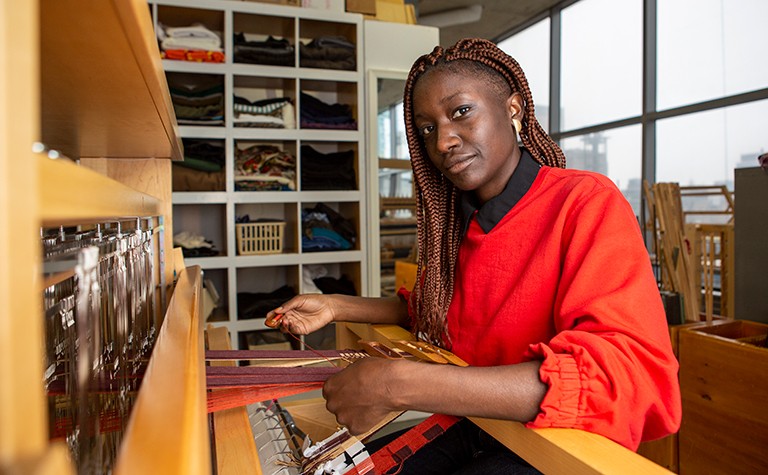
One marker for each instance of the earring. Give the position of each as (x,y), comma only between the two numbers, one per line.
(517,125)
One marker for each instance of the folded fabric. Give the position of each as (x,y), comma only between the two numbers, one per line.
(269,51)
(265,106)
(192,37)
(188,179)
(210,151)
(199,56)
(264,168)
(257,304)
(331,285)
(322,239)
(276,113)
(316,221)
(316,114)
(328,52)
(327,171)
(194,245)
(197,103)
(204,44)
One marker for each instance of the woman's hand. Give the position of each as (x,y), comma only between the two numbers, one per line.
(304,313)
(361,396)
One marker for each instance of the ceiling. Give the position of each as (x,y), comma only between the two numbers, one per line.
(498,17)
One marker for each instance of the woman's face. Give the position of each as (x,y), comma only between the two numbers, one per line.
(467,130)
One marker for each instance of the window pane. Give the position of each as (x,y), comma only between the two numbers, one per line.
(601,62)
(530,48)
(401,141)
(385,133)
(616,153)
(709,49)
(704,148)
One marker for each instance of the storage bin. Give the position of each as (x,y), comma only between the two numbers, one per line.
(259,238)
(724,387)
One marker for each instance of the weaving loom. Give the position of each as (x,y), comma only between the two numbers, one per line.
(283,448)
(110,427)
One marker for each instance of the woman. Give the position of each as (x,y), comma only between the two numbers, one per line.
(535,275)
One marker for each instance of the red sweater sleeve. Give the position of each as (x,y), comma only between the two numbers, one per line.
(610,366)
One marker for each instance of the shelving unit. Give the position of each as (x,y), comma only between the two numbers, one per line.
(213,214)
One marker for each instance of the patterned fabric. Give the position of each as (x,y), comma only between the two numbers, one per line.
(264,168)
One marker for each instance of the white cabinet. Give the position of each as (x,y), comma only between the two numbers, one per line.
(312,60)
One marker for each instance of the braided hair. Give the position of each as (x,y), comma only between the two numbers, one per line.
(438,221)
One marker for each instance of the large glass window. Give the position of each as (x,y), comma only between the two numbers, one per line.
(616,153)
(704,148)
(530,48)
(709,49)
(705,50)
(601,62)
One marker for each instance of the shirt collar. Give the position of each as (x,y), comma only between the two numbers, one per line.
(489,214)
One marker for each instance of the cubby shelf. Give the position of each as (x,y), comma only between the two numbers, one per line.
(213,214)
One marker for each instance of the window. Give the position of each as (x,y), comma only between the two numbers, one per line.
(601,67)
(706,50)
(530,48)
(616,153)
(718,51)
(704,148)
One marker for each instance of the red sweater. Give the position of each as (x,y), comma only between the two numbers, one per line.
(564,277)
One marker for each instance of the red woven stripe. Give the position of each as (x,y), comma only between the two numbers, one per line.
(222,399)
(396,452)
(271,371)
(269,354)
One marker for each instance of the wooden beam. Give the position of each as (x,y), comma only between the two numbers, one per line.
(168,429)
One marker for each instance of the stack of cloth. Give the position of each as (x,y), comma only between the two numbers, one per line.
(190,43)
(277,113)
(331,285)
(264,168)
(202,168)
(323,229)
(258,304)
(328,52)
(327,171)
(316,114)
(260,49)
(194,245)
(197,103)
(315,280)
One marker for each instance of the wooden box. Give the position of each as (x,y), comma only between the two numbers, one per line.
(366,7)
(724,386)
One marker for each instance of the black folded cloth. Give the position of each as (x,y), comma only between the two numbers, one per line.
(258,304)
(272,51)
(327,171)
(328,52)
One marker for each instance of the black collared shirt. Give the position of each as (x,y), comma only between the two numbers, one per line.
(489,214)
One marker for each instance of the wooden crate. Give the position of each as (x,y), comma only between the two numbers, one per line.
(724,386)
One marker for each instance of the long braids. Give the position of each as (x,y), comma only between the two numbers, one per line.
(438,219)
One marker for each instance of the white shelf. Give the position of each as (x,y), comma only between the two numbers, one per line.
(208,212)
(199,197)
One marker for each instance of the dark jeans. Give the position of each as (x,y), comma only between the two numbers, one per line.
(464,449)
